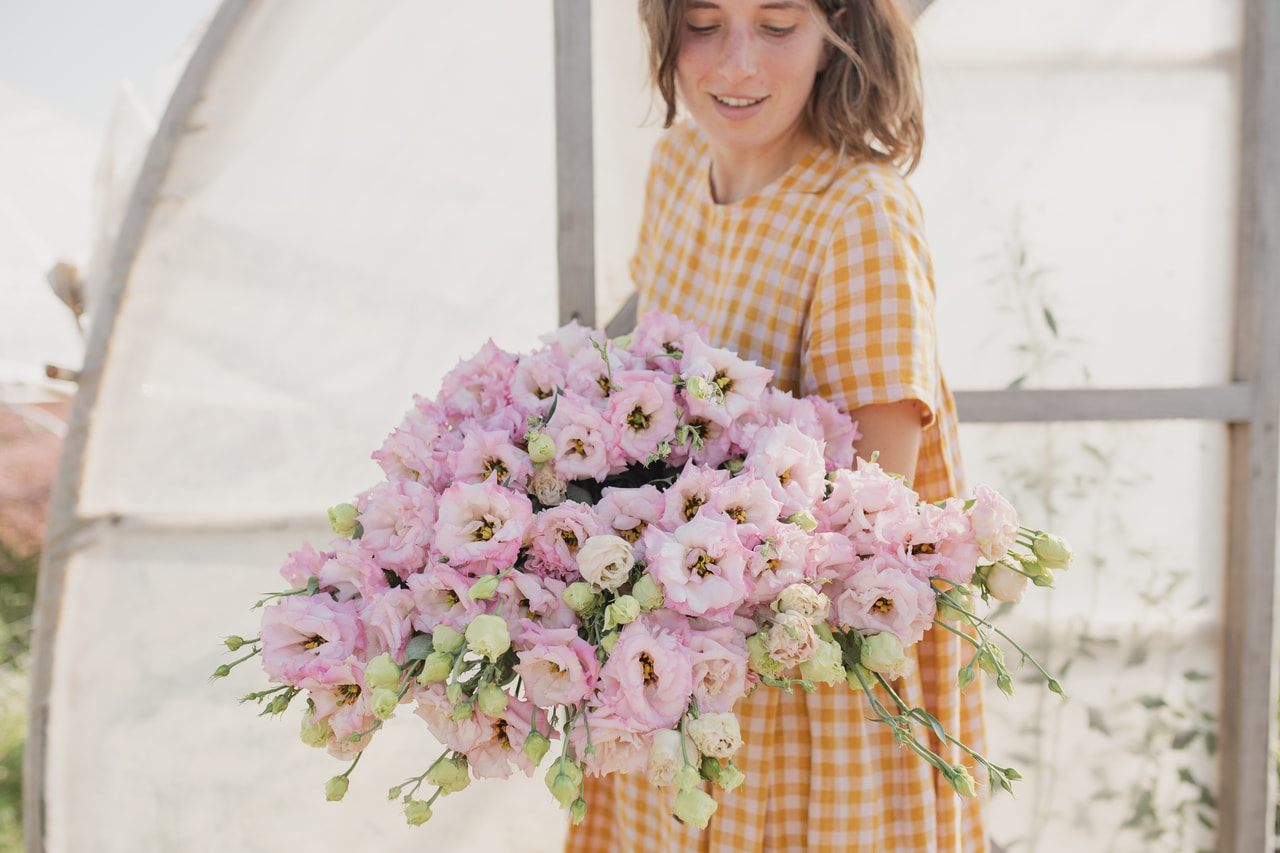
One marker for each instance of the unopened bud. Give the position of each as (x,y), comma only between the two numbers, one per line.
(384,701)
(336,788)
(382,671)
(542,448)
(446,639)
(580,597)
(536,746)
(436,667)
(462,711)
(483,588)
(417,812)
(492,699)
(342,519)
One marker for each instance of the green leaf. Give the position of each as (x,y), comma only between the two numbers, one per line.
(1098,721)
(1185,739)
(1196,675)
(1152,702)
(419,647)
(1050,322)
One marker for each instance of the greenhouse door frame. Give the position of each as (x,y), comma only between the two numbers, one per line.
(1249,405)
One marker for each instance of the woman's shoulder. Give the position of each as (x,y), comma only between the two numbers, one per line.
(859,184)
(680,148)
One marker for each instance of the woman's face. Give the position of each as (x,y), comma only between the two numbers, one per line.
(745,70)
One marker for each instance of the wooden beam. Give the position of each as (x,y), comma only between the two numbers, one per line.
(575,162)
(1231,403)
(1247,798)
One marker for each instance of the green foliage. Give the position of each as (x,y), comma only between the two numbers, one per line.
(17,596)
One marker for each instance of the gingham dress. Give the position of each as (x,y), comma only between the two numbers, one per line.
(824,277)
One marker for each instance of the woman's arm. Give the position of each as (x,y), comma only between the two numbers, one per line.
(894,430)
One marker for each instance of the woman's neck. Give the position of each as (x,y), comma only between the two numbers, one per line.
(736,175)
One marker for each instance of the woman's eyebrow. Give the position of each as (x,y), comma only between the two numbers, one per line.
(775,4)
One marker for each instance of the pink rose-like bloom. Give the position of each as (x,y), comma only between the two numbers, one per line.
(557,534)
(440,598)
(931,541)
(858,496)
(342,697)
(749,502)
(777,563)
(387,617)
(693,488)
(719,658)
(839,431)
(479,385)
(351,571)
(994,521)
(398,517)
(791,463)
(526,596)
(489,454)
(885,596)
(716,443)
(657,333)
(628,512)
(618,747)
(700,567)
(534,384)
(302,564)
(590,378)
(831,558)
(557,667)
(501,748)
(791,640)
(481,526)
(586,444)
(741,382)
(648,677)
(434,707)
(418,448)
(642,412)
(570,339)
(303,636)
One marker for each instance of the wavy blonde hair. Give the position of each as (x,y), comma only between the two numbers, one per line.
(866,103)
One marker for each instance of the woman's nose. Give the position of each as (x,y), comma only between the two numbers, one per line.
(737,59)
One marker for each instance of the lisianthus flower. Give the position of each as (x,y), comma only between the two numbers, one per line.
(440,598)
(495,755)
(570,339)
(418,448)
(839,433)
(398,517)
(691,489)
(739,383)
(481,526)
(791,639)
(586,444)
(534,384)
(884,595)
(777,562)
(303,636)
(642,412)
(791,464)
(667,754)
(351,571)
(489,454)
(701,567)
(526,596)
(658,335)
(857,496)
(719,656)
(302,564)
(629,511)
(648,676)
(748,501)
(387,617)
(995,524)
(618,746)
(479,385)
(557,534)
(557,667)
(342,698)
(593,376)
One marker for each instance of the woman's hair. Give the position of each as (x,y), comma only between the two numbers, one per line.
(865,103)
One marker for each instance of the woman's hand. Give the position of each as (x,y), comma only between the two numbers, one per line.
(894,430)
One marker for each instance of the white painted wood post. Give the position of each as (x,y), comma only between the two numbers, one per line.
(575,162)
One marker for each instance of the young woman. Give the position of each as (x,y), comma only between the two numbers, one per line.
(776,213)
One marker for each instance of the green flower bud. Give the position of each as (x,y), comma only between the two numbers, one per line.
(733,465)
(342,520)
(966,676)
(697,387)
(462,711)
(417,812)
(222,671)
(278,705)
(578,811)
(991,659)
(695,807)
(445,639)
(646,592)
(382,671)
(384,701)
(688,778)
(542,448)
(962,781)
(564,781)
(730,777)
(581,598)
(883,653)
(963,598)
(1052,551)
(608,641)
(483,588)
(1005,683)
(492,699)
(234,643)
(758,658)
(711,768)
(804,520)
(852,677)
(536,746)
(488,635)
(449,774)
(826,666)
(622,610)
(315,734)
(623,341)
(453,692)
(436,667)
(336,788)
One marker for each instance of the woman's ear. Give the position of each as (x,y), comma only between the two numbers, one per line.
(828,49)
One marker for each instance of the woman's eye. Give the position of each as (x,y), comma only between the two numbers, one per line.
(703,30)
(779,31)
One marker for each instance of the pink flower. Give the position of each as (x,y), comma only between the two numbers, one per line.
(304,636)
(489,454)
(351,571)
(741,383)
(557,667)
(479,385)
(388,624)
(302,564)
(341,696)
(715,443)
(398,517)
(749,502)
(857,496)
(648,677)
(719,658)
(617,746)
(995,524)
(570,339)
(526,596)
(418,448)
(586,444)
(440,598)
(777,563)
(593,376)
(700,567)
(886,596)
(791,464)
(791,639)
(657,336)
(557,534)
(501,744)
(628,512)
(642,412)
(839,431)
(534,384)
(481,526)
(693,488)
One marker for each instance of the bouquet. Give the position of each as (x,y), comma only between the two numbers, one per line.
(602,546)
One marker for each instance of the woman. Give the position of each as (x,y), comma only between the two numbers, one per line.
(776,214)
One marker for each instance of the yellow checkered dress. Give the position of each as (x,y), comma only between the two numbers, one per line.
(823,277)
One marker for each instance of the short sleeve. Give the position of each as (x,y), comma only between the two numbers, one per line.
(871,336)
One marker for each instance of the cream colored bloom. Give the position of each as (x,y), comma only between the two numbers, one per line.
(883,653)
(804,600)
(605,561)
(716,735)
